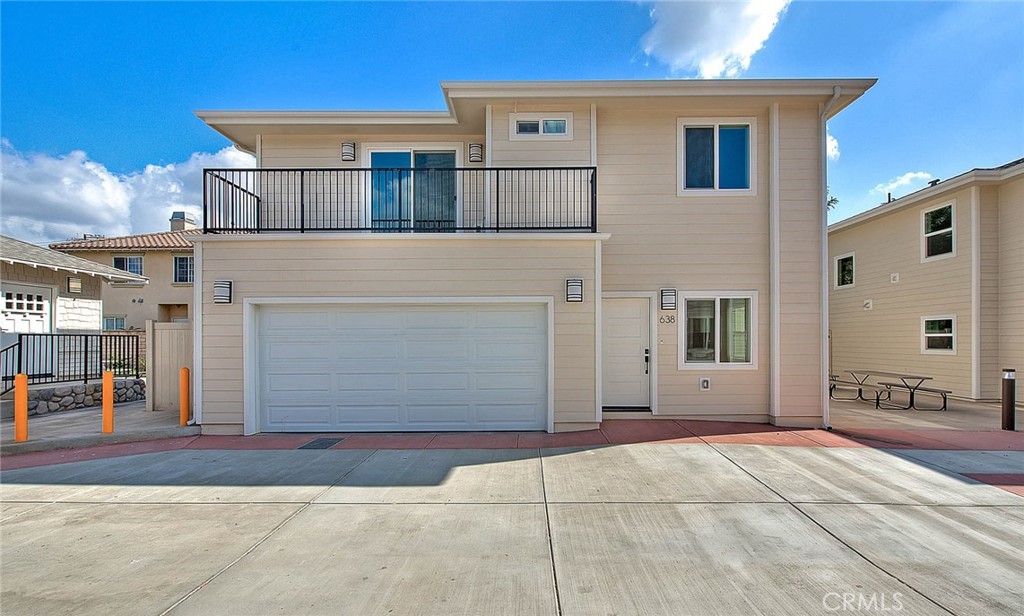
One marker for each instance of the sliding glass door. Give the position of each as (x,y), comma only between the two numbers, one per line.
(413,190)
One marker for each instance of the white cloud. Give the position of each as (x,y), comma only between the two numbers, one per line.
(832,147)
(715,39)
(915,179)
(51,198)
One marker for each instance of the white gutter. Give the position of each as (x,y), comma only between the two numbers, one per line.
(823,262)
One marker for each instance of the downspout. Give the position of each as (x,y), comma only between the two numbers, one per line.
(836,91)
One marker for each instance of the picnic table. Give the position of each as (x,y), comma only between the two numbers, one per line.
(911,382)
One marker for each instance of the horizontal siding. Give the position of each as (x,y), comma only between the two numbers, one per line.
(324,151)
(659,239)
(1011,276)
(540,152)
(888,337)
(381,268)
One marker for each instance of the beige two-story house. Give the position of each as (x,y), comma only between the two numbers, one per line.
(933,283)
(164,258)
(534,257)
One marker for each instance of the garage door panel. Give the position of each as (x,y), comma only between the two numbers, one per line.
(434,414)
(433,381)
(403,367)
(368,382)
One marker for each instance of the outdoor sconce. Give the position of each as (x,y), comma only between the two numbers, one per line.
(221,291)
(348,151)
(476,152)
(573,289)
(668,299)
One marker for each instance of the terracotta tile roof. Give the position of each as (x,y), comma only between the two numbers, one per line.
(17,251)
(165,240)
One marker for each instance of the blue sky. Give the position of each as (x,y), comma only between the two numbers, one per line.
(97,99)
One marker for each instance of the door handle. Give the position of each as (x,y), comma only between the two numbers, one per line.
(647,361)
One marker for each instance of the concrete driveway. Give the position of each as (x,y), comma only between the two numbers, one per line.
(683,528)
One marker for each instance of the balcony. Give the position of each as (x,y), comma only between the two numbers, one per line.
(401,200)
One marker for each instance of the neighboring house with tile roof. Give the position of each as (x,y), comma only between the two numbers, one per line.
(45,291)
(164,258)
(932,283)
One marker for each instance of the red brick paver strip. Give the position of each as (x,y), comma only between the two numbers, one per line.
(541,440)
(97,452)
(470,440)
(255,442)
(624,431)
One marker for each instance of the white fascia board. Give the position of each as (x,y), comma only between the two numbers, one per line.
(661,87)
(85,270)
(979,176)
(300,117)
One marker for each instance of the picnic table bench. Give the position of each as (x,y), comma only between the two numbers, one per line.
(943,393)
(910,383)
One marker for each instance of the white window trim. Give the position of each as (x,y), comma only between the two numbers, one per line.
(835,271)
(141,262)
(123,317)
(513,118)
(924,336)
(174,270)
(681,124)
(952,227)
(682,364)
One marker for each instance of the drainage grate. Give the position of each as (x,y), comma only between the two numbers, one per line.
(322,443)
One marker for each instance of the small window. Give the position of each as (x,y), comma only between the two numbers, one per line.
(552,126)
(74,284)
(113,323)
(939,335)
(717,331)
(938,237)
(183,269)
(844,271)
(129,264)
(717,154)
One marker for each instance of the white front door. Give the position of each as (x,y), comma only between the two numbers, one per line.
(626,352)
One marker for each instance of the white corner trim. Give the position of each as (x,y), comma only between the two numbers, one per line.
(975,292)
(593,134)
(197,333)
(250,339)
(775,335)
(488,158)
(598,336)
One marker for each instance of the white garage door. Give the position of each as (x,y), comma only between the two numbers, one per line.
(401,367)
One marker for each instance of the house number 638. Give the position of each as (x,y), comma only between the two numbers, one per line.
(667,318)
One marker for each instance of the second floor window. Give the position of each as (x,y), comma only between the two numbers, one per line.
(129,264)
(844,271)
(183,269)
(553,126)
(716,154)
(938,232)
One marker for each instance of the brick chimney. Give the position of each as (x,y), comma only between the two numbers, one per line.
(182,221)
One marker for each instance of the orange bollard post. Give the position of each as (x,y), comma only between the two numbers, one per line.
(183,397)
(21,408)
(108,402)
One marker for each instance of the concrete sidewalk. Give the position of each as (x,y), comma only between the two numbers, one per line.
(692,527)
(82,428)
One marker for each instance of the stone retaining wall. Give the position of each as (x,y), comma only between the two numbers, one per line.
(67,397)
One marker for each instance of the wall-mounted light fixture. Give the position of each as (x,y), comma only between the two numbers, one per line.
(574,289)
(668,299)
(476,152)
(348,151)
(221,291)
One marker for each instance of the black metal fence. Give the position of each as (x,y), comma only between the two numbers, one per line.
(63,358)
(401,199)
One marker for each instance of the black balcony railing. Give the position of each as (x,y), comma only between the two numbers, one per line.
(63,358)
(400,200)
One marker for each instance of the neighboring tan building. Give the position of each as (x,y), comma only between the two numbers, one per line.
(49,292)
(535,257)
(164,258)
(933,283)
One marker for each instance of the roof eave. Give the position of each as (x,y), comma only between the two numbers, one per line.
(126,277)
